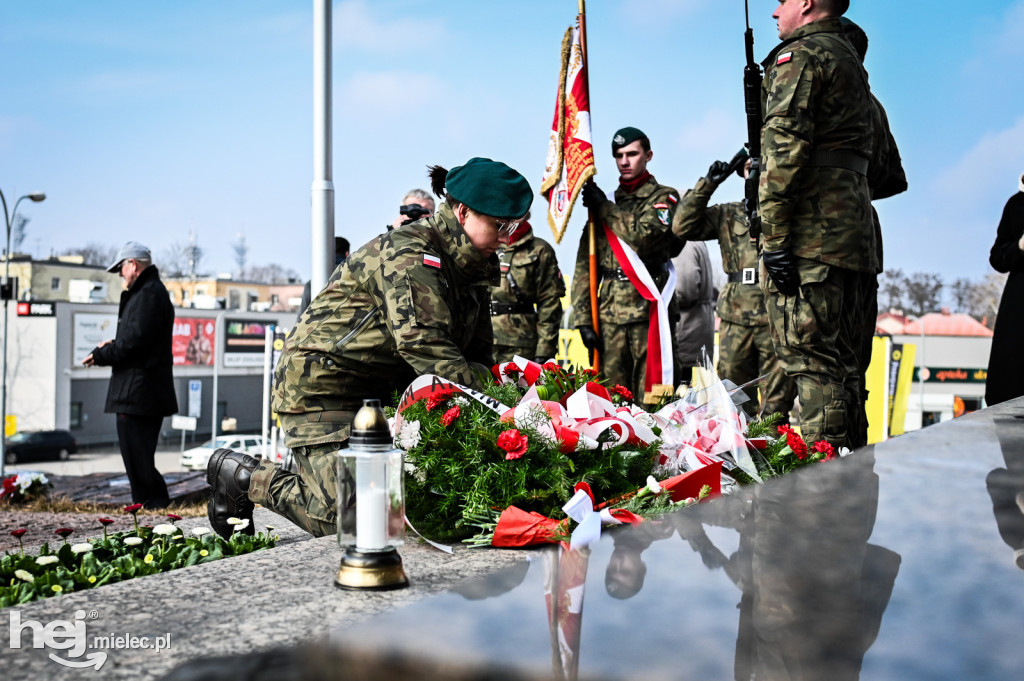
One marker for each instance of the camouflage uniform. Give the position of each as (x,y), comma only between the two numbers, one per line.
(643,220)
(410,302)
(745,348)
(526,308)
(814,201)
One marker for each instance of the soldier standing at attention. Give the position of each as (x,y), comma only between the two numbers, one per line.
(641,217)
(745,349)
(815,207)
(526,306)
(412,301)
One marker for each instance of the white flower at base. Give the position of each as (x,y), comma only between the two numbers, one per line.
(46,560)
(234,521)
(81,548)
(133,541)
(461,400)
(200,531)
(409,435)
(165,530)
(24,576)
(240,525)
(653,485)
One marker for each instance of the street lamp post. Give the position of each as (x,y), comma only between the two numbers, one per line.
(9,220)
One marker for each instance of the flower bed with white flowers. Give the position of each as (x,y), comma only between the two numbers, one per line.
(116,557)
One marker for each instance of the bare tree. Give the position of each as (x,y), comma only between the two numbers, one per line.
(961,292)
(181,259)
(95,253)
(272,274)
(891,288)
(985,298)
(924,291)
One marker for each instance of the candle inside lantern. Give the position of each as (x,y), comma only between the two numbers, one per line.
(371,519)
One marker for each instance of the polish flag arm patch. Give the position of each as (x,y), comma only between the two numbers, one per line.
(672,198)
(431,260)
(784,58)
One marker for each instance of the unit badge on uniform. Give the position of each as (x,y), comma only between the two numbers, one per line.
(663,215)
(431,261)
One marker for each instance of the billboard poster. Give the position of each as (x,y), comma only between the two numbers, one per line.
(89,329)
(244,341)
(192,341)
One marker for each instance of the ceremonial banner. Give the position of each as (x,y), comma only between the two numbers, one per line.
(570,161)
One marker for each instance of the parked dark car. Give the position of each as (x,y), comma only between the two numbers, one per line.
(36,445)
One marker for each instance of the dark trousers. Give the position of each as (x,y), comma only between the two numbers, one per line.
(137,436)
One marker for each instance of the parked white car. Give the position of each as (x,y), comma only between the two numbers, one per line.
(197,457)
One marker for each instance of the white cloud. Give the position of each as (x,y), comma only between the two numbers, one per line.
(988,169)
(356,27)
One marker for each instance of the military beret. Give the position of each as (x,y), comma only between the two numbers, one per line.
(490,187)
(842,6)
(625,136)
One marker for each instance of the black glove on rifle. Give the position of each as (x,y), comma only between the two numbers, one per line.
(593,197)
(591,340)
(719,172)
(781,268)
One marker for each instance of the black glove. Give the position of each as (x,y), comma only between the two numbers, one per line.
(593,197)
(591,340)
(781,268)
(719,172)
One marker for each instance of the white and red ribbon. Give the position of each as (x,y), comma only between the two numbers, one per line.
(659,334)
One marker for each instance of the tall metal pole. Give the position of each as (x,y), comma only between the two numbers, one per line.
(219,335)
(595,311)
(323,184)
(8,220)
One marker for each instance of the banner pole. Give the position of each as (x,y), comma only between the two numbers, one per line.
(591,225)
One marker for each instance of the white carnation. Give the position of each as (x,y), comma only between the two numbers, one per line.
(408,435)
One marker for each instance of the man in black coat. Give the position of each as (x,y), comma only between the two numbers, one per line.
(1006,361)
(141,391)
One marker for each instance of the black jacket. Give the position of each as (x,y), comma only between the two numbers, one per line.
(1006,362)
(142,382)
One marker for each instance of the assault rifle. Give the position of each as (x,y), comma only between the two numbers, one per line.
(752,77)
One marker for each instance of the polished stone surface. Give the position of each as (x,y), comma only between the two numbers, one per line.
(901,561)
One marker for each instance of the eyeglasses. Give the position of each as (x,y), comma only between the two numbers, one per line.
(508,227)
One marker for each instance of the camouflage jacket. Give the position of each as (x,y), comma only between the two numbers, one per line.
(411,301)
(529,277)
(643,220)
(738,303)
(817,130)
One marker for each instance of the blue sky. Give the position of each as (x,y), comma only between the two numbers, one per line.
(143,120)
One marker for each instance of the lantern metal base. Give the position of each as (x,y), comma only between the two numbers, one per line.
(376,570)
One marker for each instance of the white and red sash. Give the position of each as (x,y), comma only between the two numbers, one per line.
(659,335)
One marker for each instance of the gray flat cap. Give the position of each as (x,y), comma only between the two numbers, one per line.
(132,250)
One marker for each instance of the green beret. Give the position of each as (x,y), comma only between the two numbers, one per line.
(628,136)
(490,188)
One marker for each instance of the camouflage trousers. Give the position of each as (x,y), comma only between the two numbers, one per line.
(506,353)
(863,343)
(814,334)
(746,352)
(624,360)
(308,497)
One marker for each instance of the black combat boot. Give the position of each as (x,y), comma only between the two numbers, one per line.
(228,474)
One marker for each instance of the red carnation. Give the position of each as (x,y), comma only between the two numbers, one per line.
(64,532)
(797,444)
(438,399)
(822,447)
(133,509)
(106,521)
(514,443)
(450,416)
(19,533)
(553,367)
(173,518)
(623,392)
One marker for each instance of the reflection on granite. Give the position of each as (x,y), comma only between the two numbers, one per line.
(884,565)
